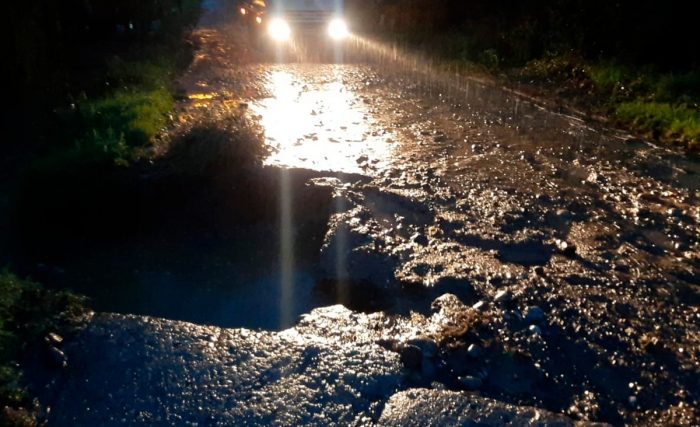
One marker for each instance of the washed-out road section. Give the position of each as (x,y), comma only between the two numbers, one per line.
(514,257)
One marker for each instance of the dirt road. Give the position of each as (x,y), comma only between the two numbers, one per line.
(571,252)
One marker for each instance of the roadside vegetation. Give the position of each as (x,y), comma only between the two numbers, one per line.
(103,106)
(660,105)
(93,82)
(28,313)
(92,86)
(636,63)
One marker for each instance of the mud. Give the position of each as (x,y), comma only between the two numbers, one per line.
(514,258)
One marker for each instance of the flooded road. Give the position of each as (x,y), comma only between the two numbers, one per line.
(527,257)
(314,119)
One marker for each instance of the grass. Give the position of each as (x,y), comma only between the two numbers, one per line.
(27,313)
(133,116)
(662,120)
(123,101)
(127,100)
(660,105)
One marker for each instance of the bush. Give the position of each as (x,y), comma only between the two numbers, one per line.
(554,68)
(212,147)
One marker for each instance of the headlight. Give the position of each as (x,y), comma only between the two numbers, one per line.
(279,30)
(338,29)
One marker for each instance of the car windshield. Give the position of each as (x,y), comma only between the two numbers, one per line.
(305,4)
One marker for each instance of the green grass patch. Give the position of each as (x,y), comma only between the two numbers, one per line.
(662,120)
(662,105)
(27,313)
(609,76)
(135,117)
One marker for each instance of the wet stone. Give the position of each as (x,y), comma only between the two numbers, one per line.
(362,159)
(54,339)
(481,306)
(543,198)
(432,407)
(622,267)
(503,296)
(462,288)
(564,214)
(57,358)
(447,303)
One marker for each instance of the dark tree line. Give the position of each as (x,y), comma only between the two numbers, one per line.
(48,38)
(639,31)
(55,47)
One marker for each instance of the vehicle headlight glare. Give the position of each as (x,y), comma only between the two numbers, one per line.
(279,30)
(338,29)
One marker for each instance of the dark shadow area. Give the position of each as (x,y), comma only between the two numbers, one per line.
(195,236)
(528,253)
(358,296)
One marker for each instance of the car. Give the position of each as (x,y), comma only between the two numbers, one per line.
(252,12)
(290,18)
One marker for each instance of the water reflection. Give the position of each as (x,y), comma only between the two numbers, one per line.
(320,125)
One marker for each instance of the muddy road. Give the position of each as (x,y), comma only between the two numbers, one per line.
(511,257)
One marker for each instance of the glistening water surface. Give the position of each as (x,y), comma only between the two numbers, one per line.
(314,119)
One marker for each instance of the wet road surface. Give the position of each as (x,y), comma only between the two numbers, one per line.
(571,252)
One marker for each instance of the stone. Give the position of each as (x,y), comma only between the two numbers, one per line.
(564,213)
(57,358)
(447,303)
(481,306)
(54,339)
(503,296)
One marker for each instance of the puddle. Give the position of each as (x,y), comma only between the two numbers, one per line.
(313,120)
(214,288)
